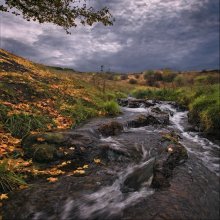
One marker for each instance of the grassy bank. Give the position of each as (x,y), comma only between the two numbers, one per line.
(36,98)
(202,101)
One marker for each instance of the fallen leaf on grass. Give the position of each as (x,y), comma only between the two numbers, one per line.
(79,171)
(40,139)
(64,163)
(52,179)
(3,196)
(97,160)
(86,166)
(23,186)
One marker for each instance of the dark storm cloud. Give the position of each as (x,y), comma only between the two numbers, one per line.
(179,34)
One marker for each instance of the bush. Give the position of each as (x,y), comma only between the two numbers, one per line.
(148,74)
(168,76)
(132,81)
(124,77)
(209,79)
(111,108)
(110,76)
(205,111)
(120,95)
(142,93)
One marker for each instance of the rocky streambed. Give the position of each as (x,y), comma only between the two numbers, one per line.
(148,166)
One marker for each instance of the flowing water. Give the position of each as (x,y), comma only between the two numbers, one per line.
(109,202)
(205,150)
(193,193)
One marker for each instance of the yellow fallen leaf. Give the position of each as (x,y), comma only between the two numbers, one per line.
(23,186)
(3,196)
(79,171)
(97,160)
(62,164)
(52,179)
(40,139)
(86,166)
(79,168)
(11,148)
(26,163)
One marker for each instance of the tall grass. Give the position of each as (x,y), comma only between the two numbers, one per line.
(20,125)
(111,108)
(202,101)
(8,179)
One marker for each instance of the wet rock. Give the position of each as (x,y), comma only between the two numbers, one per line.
(171,137)
(172,156)
(149,119)
(111,129)
(50,146)
(156,110)
(143,120)
(110,153)
(123,102)
(42,152)
(178,155)
(139,175)
(135,103)
(162,117)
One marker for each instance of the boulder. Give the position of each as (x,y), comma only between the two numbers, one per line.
(123,102)
(42,152)
(139,175)
(50,146)
(162,117)
(110,129)
(135,103)
(143,120)
(173,155)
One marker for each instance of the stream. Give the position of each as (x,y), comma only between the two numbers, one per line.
(108,191)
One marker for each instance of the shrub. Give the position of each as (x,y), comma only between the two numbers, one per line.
(110,76)
(111,108)
(209,79)
(121,95)
(168,76)
(124,77)
(148,74)
(142,93)
(132,81)
(179,80)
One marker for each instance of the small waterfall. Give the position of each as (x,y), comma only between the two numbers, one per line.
(203,148)
(110,201)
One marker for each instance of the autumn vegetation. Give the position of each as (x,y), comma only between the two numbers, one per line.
(36,98)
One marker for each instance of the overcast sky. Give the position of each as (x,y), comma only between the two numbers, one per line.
(147,34)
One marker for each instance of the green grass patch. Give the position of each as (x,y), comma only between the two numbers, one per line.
(111,108)
(20,125)
(8,179)
(202,101)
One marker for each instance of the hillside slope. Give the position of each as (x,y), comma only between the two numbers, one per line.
(45,97)
(35,98)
